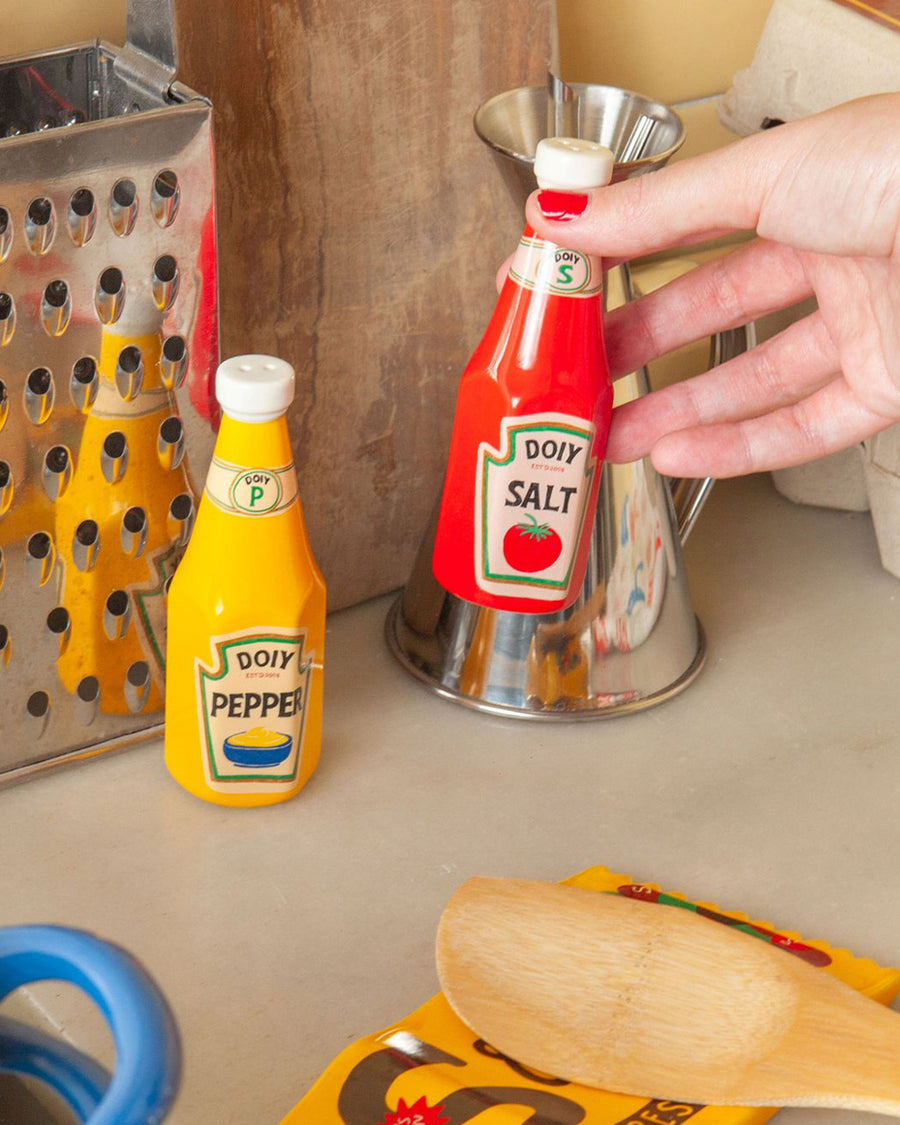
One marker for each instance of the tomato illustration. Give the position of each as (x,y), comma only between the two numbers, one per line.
(530,547)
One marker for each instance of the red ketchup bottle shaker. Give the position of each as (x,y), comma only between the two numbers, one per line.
(532,416)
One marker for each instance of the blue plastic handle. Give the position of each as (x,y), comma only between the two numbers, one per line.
(148,1055)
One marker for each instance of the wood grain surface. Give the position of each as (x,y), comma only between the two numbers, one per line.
(361,223)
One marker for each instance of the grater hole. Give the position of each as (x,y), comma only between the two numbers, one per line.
(40,225)
(165,281)
(7,317)
(4,220)
(85,544)
(40,557)
(114,456)
(137,686)
(4,403)
(57,471)
(85,383)
(59,625)
(82,202)
(75,117)
(123,207)
(56,308)
(165,197)
(40,545)
(38,705)
(116,615)
(130,372)
(109,297)
(87,692)
(6,487)
(6,234)
(134,532)
(4,642)
(88,689)
(170,443)
(39,395)
(173,362)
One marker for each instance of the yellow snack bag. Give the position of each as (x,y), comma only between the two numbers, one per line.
(430,1069)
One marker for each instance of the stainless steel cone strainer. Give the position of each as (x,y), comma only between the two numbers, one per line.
(108,345)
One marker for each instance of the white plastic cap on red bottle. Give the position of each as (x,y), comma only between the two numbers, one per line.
(254,388)
(572,164)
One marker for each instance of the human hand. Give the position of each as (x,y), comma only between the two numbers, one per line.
(823,196)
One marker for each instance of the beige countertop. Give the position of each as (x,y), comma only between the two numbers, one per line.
(281,935)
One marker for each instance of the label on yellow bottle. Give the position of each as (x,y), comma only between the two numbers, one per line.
(251,708)
(251,492)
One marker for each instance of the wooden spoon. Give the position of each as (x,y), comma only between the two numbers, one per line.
(652,1000)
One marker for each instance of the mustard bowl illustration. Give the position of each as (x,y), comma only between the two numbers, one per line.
(258,747)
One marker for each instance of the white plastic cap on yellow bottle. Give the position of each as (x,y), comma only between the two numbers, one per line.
(572,164)
(254,388)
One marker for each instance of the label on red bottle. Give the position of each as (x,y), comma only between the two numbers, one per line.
(531,499)
(251,707)
(251,492)
(554,269)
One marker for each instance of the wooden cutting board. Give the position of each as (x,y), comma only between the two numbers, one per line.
(361,223)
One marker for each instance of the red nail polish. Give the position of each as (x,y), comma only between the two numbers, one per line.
(562,206)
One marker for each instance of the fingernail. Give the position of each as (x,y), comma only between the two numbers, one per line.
(562,206)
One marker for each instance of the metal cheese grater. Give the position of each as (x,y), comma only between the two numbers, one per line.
(108,345)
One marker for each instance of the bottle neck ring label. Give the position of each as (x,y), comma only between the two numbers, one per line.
(548,268)
(244,491)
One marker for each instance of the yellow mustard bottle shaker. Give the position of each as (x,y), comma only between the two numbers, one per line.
(246,610)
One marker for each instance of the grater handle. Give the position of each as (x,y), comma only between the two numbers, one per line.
(151,30)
